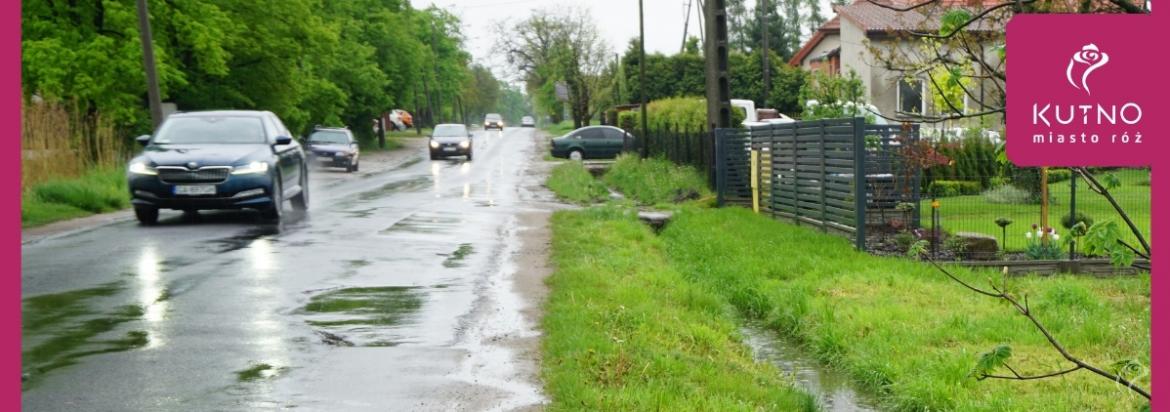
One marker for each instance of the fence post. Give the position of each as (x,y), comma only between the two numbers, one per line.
(917,188)
(718,164)
(796,176)
(859,178)
(824,176)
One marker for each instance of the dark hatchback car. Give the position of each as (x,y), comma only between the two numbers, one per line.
(334,147)
(218,160)
(592,142)
(450,140)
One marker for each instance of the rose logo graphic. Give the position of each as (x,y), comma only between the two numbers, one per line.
(1092,59)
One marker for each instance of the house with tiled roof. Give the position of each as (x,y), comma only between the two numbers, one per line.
(848,41)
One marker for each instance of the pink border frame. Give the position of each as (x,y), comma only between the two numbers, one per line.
(10,178)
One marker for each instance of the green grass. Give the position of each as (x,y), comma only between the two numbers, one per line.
(571,182)
(899,327)
(656,181)
(624,331)
(975,214)
(99,191)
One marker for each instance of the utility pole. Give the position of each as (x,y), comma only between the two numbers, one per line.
(765,51)
(642,76)
(152,91)
(686,24)
(715,53)
(702,18)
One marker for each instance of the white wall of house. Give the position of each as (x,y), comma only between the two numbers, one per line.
(829,42)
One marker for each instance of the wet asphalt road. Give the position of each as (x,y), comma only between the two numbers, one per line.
(389,294)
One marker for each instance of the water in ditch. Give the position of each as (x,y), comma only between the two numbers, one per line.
(832,389)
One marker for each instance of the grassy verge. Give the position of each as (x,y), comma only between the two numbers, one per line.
(975,214)
(656,181)
(98,191)
(902,329)
(571,182)
(626,332)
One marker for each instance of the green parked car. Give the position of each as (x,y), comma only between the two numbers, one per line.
(592,142)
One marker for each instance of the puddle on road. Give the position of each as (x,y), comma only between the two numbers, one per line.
(424,223)
(242,241)
(363,316)
(455,259)
(832,389)
(61,328)
(408,185)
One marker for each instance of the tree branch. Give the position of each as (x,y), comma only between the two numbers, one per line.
(1024,310)
(1096,186)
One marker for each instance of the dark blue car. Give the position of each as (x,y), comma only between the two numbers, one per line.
(218,160)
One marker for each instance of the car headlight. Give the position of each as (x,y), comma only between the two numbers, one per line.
(434,144)
(141,168)
(251,168)
(465,144)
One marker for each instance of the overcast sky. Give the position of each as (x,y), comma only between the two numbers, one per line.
(617,20)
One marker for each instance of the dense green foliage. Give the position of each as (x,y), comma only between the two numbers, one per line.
(656,181)
(309,61)
(972,158)
(677,114)
(624,331)
(907,332)
(98,191)
(948,188)
(683,75)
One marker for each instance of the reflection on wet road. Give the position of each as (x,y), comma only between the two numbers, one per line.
(386,295)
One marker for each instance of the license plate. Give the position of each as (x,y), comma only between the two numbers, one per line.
(195,190)
(448,149)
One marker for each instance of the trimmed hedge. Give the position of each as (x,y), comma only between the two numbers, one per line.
(675,114)
(949,188)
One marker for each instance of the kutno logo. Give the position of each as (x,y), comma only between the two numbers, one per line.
(1088,59)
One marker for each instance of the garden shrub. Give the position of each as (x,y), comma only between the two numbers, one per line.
(1009,195)
(1068,222)
(674,114)
(949,188)
(1059,175)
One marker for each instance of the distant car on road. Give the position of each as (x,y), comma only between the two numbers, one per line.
(218,160)
(527,121)
(334,147)
(493,121)
(591,142)
(450,140)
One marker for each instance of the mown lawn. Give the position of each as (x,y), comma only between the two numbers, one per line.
(905,331)
(975,214)
(624,331)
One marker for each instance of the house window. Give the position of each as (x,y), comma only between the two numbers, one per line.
(910,96)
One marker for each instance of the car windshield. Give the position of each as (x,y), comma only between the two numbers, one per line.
(211,129)
(328,137)
(450,130)
(493,117)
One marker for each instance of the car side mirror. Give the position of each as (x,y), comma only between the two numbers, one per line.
(283,140)
(143,140)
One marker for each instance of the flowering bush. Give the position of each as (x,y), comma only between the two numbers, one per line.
(1039,248)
